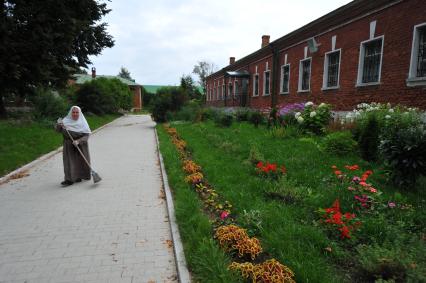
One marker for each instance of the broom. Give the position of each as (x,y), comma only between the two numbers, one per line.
(95,176)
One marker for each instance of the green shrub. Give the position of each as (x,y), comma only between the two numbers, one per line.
(292,131)
(242,115)
(340,143)
(161,106)
(48,104)
(102,96)
(256,118)
(188,112)
(224,119)
(314,119)
(367,133)
(404,153)
(277,132)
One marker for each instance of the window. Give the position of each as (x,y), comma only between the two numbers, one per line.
(217,92)
(305,75)
(236,88)
(223,92)
(256,85)
(370,65)
(331,70)
(229,90)
(266,86)
(285,78)
(214,93)
(417,72)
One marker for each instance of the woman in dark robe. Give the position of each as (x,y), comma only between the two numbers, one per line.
(74,125)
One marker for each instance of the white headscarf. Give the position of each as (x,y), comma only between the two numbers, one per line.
(80,125)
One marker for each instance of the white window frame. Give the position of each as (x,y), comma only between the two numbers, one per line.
(254,85)
(301,75)
(282,79)
(325,73)
(264,83)
(412,79)
(359,82)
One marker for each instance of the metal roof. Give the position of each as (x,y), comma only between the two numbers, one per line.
(82,78)
(238,74)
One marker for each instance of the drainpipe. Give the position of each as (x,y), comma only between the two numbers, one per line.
(226,89)
(275,74)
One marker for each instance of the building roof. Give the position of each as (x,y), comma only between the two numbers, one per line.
(154,88)
(82,78)
(345,14)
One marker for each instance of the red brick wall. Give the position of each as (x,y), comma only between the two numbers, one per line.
(137,99)
(396,23)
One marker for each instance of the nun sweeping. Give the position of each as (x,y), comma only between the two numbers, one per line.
(75,168)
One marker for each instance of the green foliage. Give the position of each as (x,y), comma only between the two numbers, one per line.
(368,137)
(189,87)
(393,261)
(242,115)
(43,42)
(252,221)
(125,74)
(224,119)
(168,100)
(277,132)
(404,152)
(104,96)
(340,143)
(256,118)
(189,112)
(147,98)
(48,104)
(314,119)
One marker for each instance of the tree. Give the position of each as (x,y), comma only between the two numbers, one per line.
(188,85)
(44,41)
(125,74)
(204,69)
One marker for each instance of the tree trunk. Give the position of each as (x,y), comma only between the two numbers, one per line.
(3,113)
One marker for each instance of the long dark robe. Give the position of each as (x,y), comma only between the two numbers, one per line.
(74,165)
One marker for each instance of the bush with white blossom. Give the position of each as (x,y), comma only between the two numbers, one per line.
(314,118)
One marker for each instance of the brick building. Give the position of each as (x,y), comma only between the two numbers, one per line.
(365,51)
(135,88)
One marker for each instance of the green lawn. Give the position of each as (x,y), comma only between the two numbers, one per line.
(22,142)
(290,230)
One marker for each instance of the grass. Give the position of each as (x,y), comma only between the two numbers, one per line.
(21,142)
(291,231)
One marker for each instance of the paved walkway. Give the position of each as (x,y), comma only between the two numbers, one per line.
(113,231)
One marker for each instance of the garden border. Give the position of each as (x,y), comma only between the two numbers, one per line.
(6,178)
(182,269)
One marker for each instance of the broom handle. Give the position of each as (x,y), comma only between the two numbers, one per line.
(79,150)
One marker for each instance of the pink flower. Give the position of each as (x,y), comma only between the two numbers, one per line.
(373,190)
(224,215)
(351,189)
(392,204)
(356,179)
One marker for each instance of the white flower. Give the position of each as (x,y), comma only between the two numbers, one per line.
(297,114)
(300,119)
(387,116)
(391,110)
(322,104)
(309,103)
(313,114)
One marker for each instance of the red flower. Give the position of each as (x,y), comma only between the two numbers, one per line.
(283,169)
(259,165)
(338,172)
(345,232)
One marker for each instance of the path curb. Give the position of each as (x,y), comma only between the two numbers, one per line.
(182,269)
(44,157)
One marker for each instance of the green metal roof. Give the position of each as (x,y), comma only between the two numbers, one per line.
(153,88)
(82,78)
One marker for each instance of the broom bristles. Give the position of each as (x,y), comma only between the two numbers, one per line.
(96,177)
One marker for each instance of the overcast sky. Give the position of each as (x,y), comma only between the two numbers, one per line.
(160,40)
